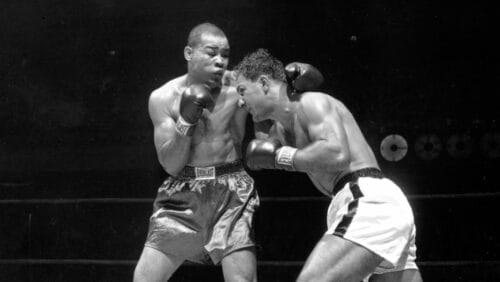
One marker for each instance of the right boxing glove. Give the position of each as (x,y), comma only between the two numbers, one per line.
(193,100)
(269,154)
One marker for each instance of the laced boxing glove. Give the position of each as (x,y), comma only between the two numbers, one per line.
(193,100)
(269,154)
(303,77)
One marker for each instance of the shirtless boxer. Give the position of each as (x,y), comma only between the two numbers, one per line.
(203,211)
(371,231)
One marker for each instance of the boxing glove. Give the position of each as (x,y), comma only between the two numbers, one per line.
(303,77)
(269,154)
(193,100)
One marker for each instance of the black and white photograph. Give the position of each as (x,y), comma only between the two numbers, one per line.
(249,141)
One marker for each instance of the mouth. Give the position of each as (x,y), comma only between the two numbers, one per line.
(218,73)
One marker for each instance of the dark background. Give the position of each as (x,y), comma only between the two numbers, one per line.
(75,77)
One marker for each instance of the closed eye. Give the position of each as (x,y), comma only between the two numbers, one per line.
(210,51)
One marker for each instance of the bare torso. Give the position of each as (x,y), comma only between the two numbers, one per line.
(361,154)
(218,134)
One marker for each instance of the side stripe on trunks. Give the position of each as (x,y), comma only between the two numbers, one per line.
(351,210)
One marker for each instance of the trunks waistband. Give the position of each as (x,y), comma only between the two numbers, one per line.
(210,172)
(353,176)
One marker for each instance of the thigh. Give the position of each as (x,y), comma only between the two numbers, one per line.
(337,259)
(155,266)
(408,275)
(240,265)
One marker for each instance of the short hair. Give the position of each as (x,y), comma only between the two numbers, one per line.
(194,37)
(258,63)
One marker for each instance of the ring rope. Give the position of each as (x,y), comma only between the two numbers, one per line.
(261,263)
(263,199)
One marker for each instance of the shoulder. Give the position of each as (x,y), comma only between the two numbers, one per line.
(168,90)
(162,98)
(315,106)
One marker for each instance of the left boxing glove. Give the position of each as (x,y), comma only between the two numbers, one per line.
(269,154)
(193,100)
(303,77)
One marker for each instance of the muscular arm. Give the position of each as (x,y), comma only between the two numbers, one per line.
(329,150)
(239,122)
(172,148)
(262,130)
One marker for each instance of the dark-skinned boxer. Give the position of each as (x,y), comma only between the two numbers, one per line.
(203,211)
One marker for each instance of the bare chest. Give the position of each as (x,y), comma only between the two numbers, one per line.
(215,125)
(211,125)
(296,136)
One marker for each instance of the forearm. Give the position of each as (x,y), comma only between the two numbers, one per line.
(320,157)
(174,154)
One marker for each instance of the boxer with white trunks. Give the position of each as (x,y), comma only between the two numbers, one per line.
(371,230)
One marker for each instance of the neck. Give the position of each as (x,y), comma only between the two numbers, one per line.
(285,109)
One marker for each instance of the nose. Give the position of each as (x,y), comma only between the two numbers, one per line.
(220,61)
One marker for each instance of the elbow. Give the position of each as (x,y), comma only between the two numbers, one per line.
(340,161)
(166,160)
(169,167)
(171,170)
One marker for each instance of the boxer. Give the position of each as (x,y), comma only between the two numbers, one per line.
(371,231)
(204,209)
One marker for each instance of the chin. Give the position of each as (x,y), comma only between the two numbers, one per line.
(216,86)
(214,83)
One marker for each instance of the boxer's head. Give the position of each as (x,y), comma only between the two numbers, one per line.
(207,54)
(259,77)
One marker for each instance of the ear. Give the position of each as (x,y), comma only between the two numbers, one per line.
(265,83)
(188,53)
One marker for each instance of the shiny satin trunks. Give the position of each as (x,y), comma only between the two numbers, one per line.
(204,213)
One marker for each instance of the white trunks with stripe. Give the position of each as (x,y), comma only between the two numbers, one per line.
(373,212)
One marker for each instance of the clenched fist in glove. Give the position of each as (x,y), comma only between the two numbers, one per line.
(303,77)
(193,100)
(269,154)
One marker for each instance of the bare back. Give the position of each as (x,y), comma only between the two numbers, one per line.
(322,118)
(218,134)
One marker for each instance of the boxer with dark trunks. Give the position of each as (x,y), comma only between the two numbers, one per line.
(371,231)
(203,211)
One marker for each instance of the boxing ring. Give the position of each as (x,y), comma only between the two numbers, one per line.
(99,239)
